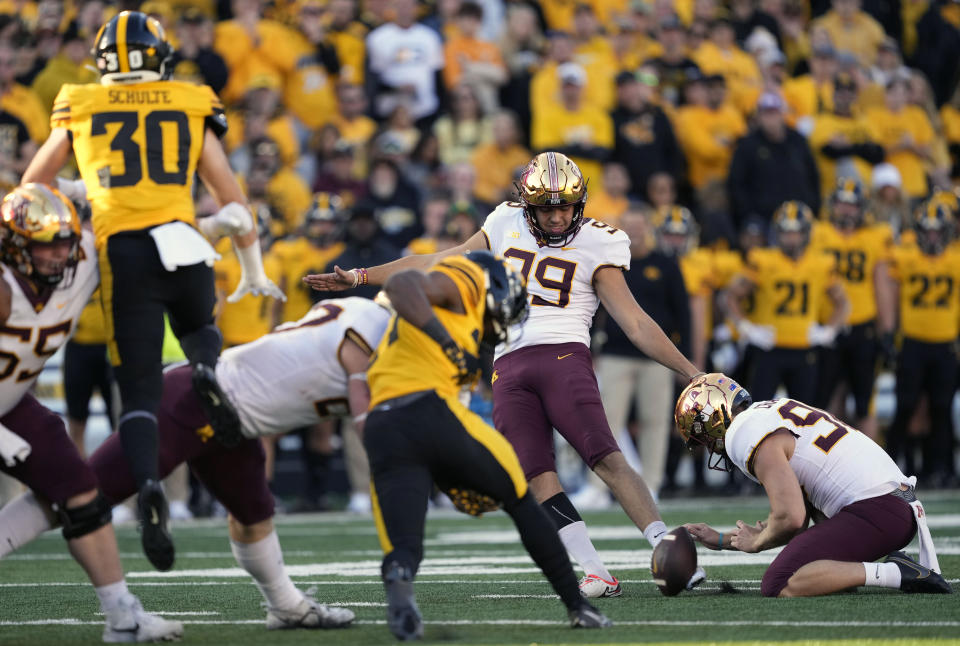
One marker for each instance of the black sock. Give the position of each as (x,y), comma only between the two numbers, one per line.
(138,437)
(543,544)
(202,345)
(560,510)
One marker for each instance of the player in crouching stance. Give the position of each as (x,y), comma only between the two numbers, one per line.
(812,467)
(418,432)
(51,272)
(290,378)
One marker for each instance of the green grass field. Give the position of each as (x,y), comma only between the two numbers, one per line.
(476,586)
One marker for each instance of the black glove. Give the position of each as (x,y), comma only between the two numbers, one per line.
(468,366)
(888,350)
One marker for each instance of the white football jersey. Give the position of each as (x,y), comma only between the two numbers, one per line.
(292,377)
(31,336)
(559,279)
(835,464)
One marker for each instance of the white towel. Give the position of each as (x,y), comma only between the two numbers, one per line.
(13,448)
(928,555)
(180,245)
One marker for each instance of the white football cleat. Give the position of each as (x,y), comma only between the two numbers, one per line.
(594,587)
(309,614)
(130,623)
(699,576)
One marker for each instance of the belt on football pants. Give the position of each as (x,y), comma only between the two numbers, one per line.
(399,402)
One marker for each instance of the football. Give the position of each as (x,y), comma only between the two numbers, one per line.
(674,561)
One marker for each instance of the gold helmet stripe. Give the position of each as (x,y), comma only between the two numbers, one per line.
(553,175)
(122,41)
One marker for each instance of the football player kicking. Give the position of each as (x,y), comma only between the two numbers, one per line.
(51,272)
(139,140)
(293,377)
(543,378)
(813,467)
(418,432)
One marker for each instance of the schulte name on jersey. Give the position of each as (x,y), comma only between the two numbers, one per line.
(292,377)
(31,336)
(559,279)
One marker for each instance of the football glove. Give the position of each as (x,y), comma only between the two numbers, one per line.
(471,502)
(232,220)
(762,336)
(253,280)
(468,366)
(823,335)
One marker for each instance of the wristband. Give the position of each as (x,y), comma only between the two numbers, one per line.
(362,277)
(720,542)
(358,376)
(699,374)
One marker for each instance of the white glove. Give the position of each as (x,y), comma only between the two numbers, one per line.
(762,336)
(253,280)
(73,189)
(725,358)
(232,220)
(821,334)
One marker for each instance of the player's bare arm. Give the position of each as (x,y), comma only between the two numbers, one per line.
(886,295)
(645,334)
(340,279)
(355,360)
(788,514)
(51,157)
(841,306)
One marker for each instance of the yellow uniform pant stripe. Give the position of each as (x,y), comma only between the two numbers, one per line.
(106,298)
(385,543)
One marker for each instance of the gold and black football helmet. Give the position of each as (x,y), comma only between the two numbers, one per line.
(935,226)
(793,217)
(552,179)
(704,412)
(132,48)
(507,304)
(36,214)
(848,204)
(677,231)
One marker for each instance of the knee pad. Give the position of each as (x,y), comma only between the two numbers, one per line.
(82,520)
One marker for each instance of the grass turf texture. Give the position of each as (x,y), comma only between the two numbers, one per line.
(476,586)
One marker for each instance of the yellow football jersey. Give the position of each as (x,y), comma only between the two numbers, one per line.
(296,258)
(91,329)
(408,360)
(137,147)
(856,257)
(251,317)
(789,293)
(929,293)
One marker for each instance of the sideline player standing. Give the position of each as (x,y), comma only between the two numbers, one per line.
(543,378)
(138,140)
(50,274)
(813,467)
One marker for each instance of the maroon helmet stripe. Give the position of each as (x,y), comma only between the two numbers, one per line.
(552,174)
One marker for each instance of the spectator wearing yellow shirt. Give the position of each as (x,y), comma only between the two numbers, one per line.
(545,85)
(611,202)
(269,181)
(495,162)
(251,45)
(346,35)
(472,61)
(707,127)
(194,60)
(631,41)
(559,13)
(309,87)
(464,128)
(574,127)
(720,55)
(20,101)
(842,142)
(809,95)
(68,66)
(592,50)
(261,114)
(852,30)
(906,134)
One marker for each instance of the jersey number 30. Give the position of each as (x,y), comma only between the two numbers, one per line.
(153,134)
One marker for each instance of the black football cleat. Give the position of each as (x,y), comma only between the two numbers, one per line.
(154,535)
(403,616)
(915,578)
(220,412)
(586,616)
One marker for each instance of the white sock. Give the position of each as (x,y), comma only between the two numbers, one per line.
(655,532)
(882,575)
(21,520)
(577,542)
(264,561)
(110,596)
